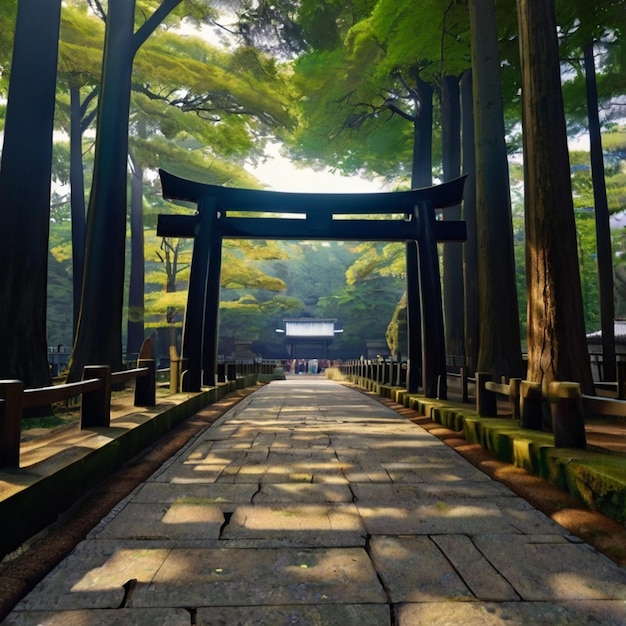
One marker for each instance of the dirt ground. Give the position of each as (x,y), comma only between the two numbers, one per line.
(23,569)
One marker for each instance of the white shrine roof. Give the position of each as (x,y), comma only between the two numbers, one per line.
(309,328)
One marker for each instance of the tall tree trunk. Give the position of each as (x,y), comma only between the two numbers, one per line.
(421,176)
(603,227)
(135,324)
(25,174)
(557,348)
(499,334)
(470,252)
(77,201)
(99,334)
(453,298)
(422,167)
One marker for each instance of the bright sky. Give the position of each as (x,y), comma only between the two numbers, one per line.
(280,174)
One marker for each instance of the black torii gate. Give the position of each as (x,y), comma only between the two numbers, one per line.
(410,217)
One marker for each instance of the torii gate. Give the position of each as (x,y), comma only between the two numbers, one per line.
(410,217)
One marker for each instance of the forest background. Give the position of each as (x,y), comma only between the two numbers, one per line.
(217,84)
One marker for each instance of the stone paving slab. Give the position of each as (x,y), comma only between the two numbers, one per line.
(311,503)
(458,516)
(303,493)
(546,569)
(221,494)
(482,579)
(405,494)
(264,577)
(206,577)
(413,569)
(308,615)
(316,523)
(181,520)
(512,614)
(94,575)
(103,617)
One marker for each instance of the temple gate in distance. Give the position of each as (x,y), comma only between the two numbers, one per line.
(225,212)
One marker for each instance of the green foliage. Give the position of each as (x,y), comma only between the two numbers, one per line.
(8,11)
(396,334)
(80,47)
(207,110)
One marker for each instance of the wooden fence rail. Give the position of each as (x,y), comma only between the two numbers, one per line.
(567,408)
(562,408)
(95,407)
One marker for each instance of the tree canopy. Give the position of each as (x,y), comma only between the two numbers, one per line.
(343,85)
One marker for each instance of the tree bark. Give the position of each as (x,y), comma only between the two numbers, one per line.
(77,201)
(557,348)
(135,323)
(499,349)
(98,338)
(470,252)
(453,298)
(25,174)
(422,167)
(421,176)
(603,227)
(99,334)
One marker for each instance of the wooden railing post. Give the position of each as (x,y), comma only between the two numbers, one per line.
(231,371)
(95,406)
(464,393)
(568,422)
(175,370)
(514,396)
(398,374)
(486,405)
(11,391)
(145,386)
(621,380)
(531,405)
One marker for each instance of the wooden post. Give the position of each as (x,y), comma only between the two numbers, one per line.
(175,370)
(434,372)
(514,396)
(398,376)
(11,391)
(486,405)
(567,415)
(210,328)
(95,406)
(193,326)
(464,394)
(531,405)
(413,318)
(621,380)
(145,386)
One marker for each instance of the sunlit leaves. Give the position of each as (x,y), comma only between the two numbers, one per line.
(377,260)
(240,273)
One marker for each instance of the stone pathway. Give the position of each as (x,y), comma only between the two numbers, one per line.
(310,503)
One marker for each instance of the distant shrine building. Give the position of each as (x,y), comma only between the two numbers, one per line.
(309,338)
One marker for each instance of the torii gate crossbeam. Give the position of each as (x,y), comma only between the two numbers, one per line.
(405,216)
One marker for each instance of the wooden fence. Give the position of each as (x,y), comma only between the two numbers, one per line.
(561,407)
(566,404)
(94,391)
